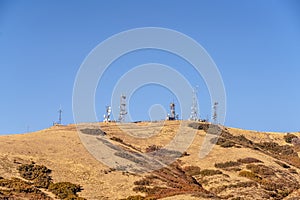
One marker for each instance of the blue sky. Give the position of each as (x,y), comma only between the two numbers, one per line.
(255,44)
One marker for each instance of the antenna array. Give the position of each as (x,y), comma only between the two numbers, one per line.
(123,110)
(215,115)
(107,115)
(194,108)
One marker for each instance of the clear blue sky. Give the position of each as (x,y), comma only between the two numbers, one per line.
(255,44)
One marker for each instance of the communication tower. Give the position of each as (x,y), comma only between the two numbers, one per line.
(59,116)
(107,115)
(215,115)
(172,115)
(123,110)
(194,109)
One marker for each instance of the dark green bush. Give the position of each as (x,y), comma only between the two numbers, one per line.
(250,175)
(38,177)
(141,189)
(227,164)
(39,174)
(249,160)
(19,186)
(227,144)
(218,140)
(152,148)
(144,181)
(15,187)
(192,170)
(210,172)
(149,190)
(233,169)
(31,171)
(42,181)
(243,140)
(275,148)
(116,139)
(261,170)
(243,184)
(199,126)
(65,190)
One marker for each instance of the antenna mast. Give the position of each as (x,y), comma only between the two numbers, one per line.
(123,110)
(194,108)
(172,115)
(59,117)
(107,115)
(215,115)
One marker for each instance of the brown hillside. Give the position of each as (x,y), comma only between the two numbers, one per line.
(243,164)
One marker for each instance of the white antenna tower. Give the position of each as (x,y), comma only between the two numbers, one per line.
(215,115)
(123,110)
(107,115)
(172,115)
(194,108)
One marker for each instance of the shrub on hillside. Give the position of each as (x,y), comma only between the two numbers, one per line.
(149,190)
(243,140)
(42,181)
(218,140)
(152,148)
(199,126)
(261,169)
(289,137)
(116,139)
(243,184)
(192,170)
(16,187)
(31,171)
(275,148)
(227,164)
(233,169)
(250,175)
(144,181)
(65,190)
(228,144)
(210,172)
(39,174)
(249,160)
(19,185)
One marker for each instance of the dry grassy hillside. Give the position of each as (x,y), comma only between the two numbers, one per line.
(242,165)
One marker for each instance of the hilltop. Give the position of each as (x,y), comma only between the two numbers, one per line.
(242,165)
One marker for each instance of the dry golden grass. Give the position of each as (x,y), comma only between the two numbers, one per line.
(60,149)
